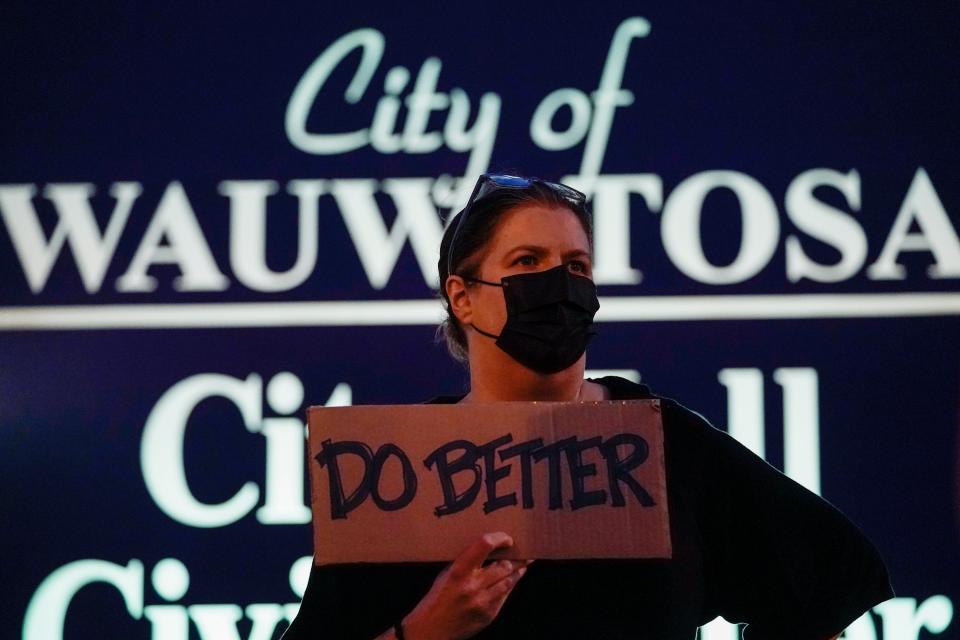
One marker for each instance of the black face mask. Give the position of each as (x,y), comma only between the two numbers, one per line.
(549,318)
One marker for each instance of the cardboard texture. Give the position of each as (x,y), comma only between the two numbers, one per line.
(412,483)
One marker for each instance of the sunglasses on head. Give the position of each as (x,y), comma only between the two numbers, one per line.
(490,183)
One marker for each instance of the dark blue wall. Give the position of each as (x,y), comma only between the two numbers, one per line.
(198,96)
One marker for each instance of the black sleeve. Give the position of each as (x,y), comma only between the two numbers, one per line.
(778,556)
(358,601)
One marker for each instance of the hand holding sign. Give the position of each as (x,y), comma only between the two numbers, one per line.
(567,480)
(466,596)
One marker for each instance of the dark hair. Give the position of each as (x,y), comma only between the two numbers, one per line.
(480,226)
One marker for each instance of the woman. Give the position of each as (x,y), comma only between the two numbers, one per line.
(748,543)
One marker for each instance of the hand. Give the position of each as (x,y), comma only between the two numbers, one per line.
(466,596)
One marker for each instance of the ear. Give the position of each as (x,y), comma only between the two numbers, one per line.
(456,289)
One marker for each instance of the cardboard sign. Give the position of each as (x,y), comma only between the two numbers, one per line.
(422,482)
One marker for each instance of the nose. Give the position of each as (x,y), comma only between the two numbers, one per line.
(553,260)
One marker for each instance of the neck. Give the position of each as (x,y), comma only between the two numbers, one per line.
(496,377)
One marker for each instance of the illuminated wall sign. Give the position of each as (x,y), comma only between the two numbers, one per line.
(174,235)
(277,248)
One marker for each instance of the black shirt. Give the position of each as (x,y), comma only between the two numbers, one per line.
(749,544)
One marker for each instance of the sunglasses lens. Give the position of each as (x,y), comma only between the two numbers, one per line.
(567,192)
(493,182)
(510,181)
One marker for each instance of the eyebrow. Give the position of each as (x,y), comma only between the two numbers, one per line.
(577,253)
(532,248)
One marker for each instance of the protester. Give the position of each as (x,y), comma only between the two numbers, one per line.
(749,544)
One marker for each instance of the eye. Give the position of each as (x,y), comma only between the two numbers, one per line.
(578,266)
(527,260)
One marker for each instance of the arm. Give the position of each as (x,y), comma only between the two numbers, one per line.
(778,557)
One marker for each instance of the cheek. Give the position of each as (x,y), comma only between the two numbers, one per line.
(491,307)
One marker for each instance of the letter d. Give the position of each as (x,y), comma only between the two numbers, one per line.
(340,503)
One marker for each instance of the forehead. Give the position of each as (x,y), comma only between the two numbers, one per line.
(548,226)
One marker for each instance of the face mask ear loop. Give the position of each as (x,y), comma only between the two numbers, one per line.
(491,284)
(484,333)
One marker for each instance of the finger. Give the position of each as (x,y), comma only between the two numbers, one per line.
(499,591)
(494,573)
(443,573)
(473,556)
